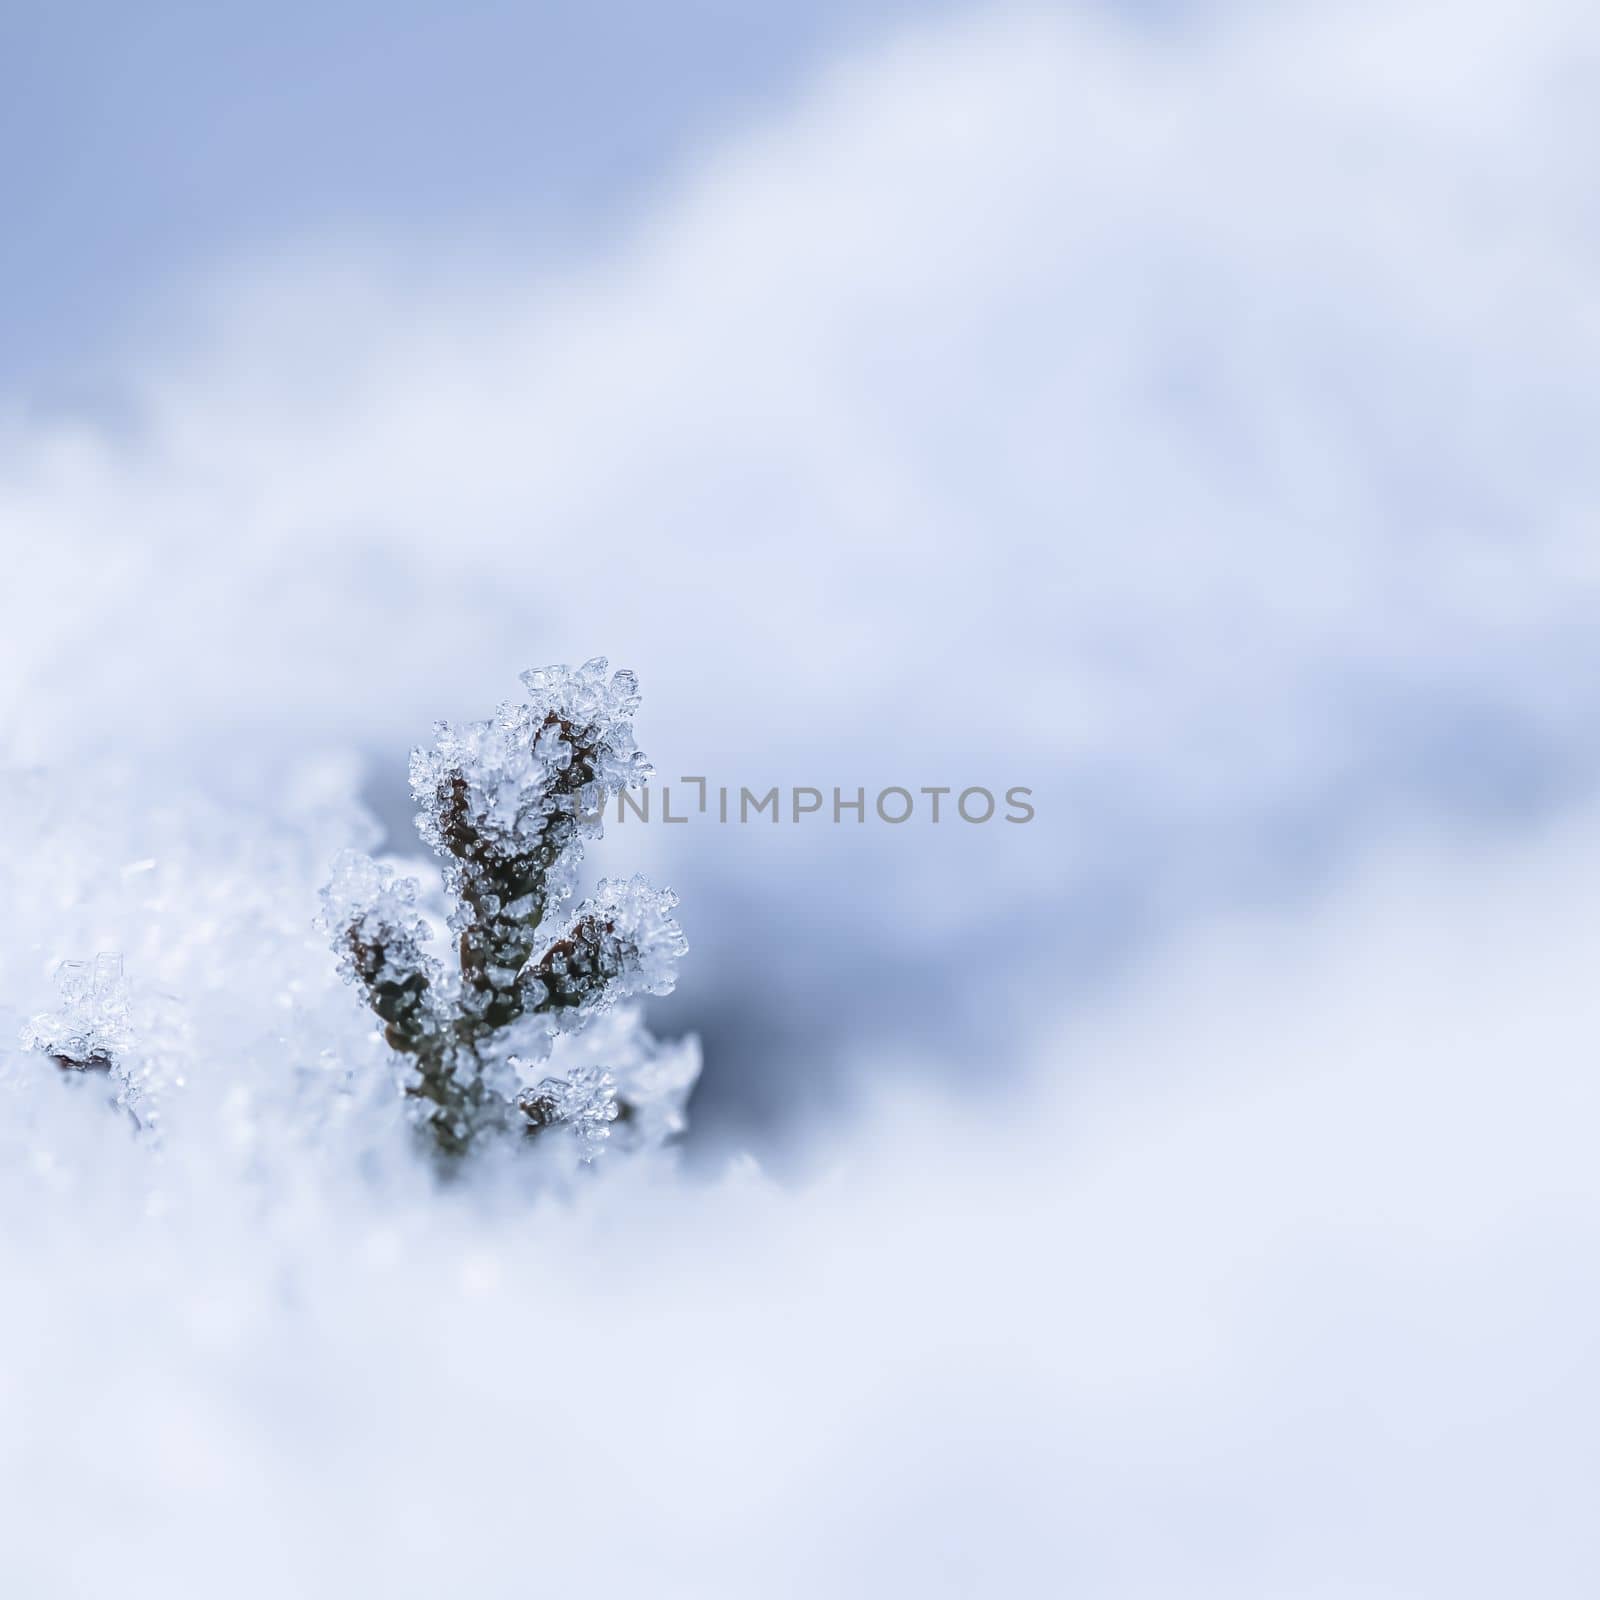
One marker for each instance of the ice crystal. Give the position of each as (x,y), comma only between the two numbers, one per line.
(653,1077)
(585,1101)
(508,805)
(90,1031)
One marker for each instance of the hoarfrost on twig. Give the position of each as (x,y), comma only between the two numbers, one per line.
(508,805)
(91,1031)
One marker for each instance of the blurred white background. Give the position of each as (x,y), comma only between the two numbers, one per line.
(1184,411)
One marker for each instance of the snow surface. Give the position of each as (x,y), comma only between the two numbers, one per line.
(1188,1193)
(1280,1282)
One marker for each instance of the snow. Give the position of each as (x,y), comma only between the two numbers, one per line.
(1287,1279)
(1188,1192)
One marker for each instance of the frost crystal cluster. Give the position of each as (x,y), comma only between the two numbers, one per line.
(507,804)
(90,1030)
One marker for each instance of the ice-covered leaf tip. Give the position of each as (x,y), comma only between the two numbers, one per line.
(507,805)
(90,1031)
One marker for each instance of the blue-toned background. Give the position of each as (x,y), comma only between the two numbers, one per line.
(141,142)
(1187,412)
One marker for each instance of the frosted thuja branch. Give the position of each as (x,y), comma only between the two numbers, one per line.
(508,804)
